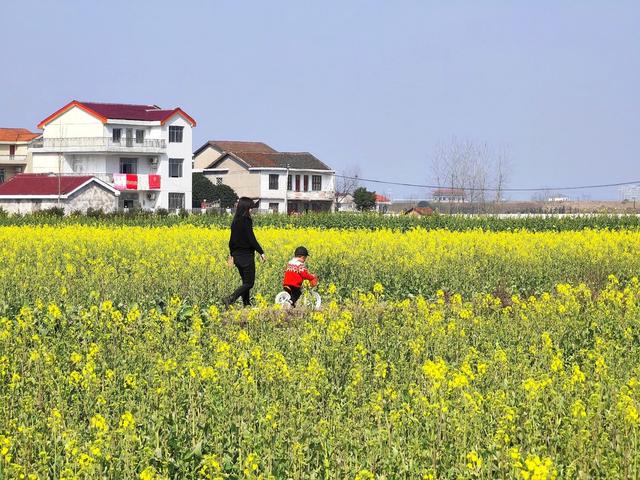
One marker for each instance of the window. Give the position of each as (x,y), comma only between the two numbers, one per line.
(12,150)
(176,201)
(116,134)
(2,175)
(273,207)
(306,183)
(273,181)
(175,167)
(289,182)
(129,165)
(129,200)
(316,183)
(139,136)
(78,165)
(175,134)
(218,180)
(297,183)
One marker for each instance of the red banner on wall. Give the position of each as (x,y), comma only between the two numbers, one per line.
(154,182)
(132,181)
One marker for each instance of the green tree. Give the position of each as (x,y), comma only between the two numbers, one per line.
(203,189)
(225,195)
(364,199)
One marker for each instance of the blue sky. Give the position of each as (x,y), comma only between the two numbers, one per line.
(359,83)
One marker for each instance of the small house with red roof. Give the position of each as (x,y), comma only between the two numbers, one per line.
(285,182)
(383,203)
(28,193)
(143,151)
(14,154)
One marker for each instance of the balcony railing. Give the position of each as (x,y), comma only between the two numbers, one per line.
(99,144)
(324,195)
(13,159)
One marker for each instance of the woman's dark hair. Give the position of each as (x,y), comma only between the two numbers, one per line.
(242,209)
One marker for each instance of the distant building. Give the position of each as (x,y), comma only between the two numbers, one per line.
(558,198)
(345,203)
(449,195)
(383,203)
(630,192)
(419,211)
(283,181)
(14,155)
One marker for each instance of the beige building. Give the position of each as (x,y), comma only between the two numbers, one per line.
(14,155)
(285,182)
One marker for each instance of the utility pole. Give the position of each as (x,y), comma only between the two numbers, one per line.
(59,179)
(286,192)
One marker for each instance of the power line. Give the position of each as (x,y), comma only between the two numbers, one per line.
(490,189)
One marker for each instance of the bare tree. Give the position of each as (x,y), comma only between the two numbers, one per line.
(346,183)
(502,170)
(470,169)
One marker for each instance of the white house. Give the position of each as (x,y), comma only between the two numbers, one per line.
(285,182)
(143,151)
(345,203)
(383,203)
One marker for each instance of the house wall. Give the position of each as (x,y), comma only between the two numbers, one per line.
(21,148)
(243,182)
(181,150)
(151,132)
(47,163)
(206,157)
(91,196)
(12,167)
(74,123)
(267,196)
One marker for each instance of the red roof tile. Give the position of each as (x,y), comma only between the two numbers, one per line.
(122,111)
(41,184)
(17,135)
(382,199)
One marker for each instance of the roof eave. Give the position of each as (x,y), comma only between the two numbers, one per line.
(69,106)
(182,113)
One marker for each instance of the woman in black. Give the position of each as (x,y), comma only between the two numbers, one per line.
(242,248)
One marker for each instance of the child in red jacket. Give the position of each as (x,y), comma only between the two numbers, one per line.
(296,273)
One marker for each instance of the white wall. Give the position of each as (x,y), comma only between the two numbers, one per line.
(74,123)
(328,184)
(151,132)
(183,150)
(47,163)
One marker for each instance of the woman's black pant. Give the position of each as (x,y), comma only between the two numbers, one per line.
(246,265)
